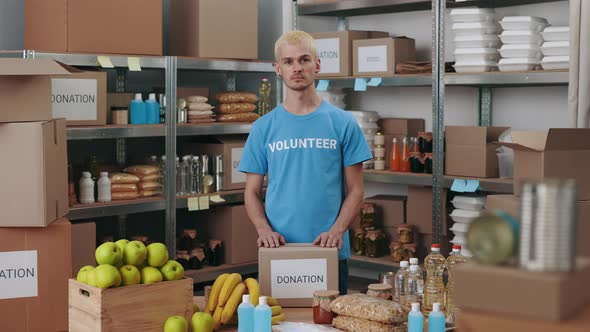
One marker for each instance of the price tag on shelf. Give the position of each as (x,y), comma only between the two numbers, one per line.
(104,61)
(193,203)
(204,202)
(323,85)
(360,84)
(375,81)
(133,63)
(216,199)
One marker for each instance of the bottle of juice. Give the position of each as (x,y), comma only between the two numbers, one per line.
(434,287)
(405,160)
(452,261)
(395,157)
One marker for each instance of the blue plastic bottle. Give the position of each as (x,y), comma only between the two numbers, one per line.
(436,319)
(415,319)
(152,109)
(262,316)
(246,315)
(138,114)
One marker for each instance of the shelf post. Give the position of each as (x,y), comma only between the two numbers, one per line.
(170,141)
(485,106)
(438,101)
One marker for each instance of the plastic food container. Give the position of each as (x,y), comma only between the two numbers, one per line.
(459,228)
(505,162)
(556,48)
(466,252)
(472,203)
(524,23)
(464,216)
(518,64)
(475,28)
(475,66)
(521,37)
(556,33)
(521,51)
(476,54)
(459,239)
(365,116)
(476,41)
(472,15)
(556,62)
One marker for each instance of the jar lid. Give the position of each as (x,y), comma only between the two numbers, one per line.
(379,133)
(405,226)
(380,287)
(326,293)
(379,159)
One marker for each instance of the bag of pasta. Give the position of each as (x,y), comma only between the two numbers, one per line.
(142,169)
(236,97)
(370,308)
(351,324)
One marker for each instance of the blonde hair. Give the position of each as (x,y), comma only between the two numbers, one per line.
(296,38)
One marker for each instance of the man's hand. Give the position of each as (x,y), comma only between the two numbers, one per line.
(331,239)
(270,239)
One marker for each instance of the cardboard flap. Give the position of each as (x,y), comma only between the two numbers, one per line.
(472,135)
(568,139)
(527,140)
(493,133)
(30,67)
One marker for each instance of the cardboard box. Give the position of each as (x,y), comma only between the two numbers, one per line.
(45,25)
(231,147)
(480,321)
(378,57)
(556,153)
(34,189)
(509,290)
(470,152)
(511,205)
(25,89)
(419,209)
(95,26)
(291,273)
(391,210)
(214,28)
(80,97)
(83,245)
(40,263)
(127,308)
(335,50)
(401,126)
(231,225)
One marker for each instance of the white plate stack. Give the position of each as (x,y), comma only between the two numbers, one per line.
(476,41)
(367,120)
(556,47)
(522,43)
(334,96)
(467,208)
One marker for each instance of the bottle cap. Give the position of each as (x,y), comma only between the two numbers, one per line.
(456,246)
(163,157)
(104,174)
(414,268)
(246,298)
(415,307)
(262,300)
(186,158)
(86,174)
(435,247)
(436,307)
(196,158)
(138,96)
(265,79)
(152,96)
(413,261)
(394,140)
(404,264)
(153,157)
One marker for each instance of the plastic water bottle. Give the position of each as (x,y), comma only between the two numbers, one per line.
(414,261)
(452,261)
(415,319)
(86,189)
(436,319)
(152,109)
(138,113)
(264,97)
(104,188)
(246,315)
(262,316)
(434,288)
(412,282)
(400,283)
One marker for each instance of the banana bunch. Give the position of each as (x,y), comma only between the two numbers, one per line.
(226,295)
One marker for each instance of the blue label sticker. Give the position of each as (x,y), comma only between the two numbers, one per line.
(471,186)
(360,84)
(459,185)
(323,85)
(375,81)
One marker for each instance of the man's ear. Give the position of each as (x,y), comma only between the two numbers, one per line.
(318,65)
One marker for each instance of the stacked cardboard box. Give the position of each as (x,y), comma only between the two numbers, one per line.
(419,214)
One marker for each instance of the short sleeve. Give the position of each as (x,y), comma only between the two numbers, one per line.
(355,148)
(254,158)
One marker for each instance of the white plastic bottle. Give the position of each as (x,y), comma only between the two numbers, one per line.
(414,261)
(415,318)
(262,316)
(411,291)
(104,188)
(246,315)
(400,282)
(86,189)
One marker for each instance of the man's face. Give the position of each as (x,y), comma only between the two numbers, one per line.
(297,67)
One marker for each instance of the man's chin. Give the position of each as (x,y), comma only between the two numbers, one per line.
(299,86)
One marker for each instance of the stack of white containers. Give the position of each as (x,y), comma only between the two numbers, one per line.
(467,208)
(334,97)
(522,43)
(476,41)
(556,48)
(367,120)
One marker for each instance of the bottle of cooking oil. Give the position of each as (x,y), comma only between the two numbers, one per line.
(452,261)
(264,105)
(434,287)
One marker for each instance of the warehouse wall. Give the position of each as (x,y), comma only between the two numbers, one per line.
(11,24)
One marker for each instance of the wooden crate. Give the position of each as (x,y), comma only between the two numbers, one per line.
(131,308)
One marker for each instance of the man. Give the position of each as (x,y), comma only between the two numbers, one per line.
(312,153)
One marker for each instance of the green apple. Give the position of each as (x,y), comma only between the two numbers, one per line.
(134,253)
(82,275)
(121,244)
(129,275)
(172,270)
(106,276)
(157,254)
(176,324)
(108,253)
(150,275)
(202,322)
(90,277)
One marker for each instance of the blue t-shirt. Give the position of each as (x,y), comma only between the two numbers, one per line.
(304,157)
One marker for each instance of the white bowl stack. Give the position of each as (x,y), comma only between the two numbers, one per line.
(334,96)
(522,43)
(476,41)
(367,120)
(467,208)
(556,48)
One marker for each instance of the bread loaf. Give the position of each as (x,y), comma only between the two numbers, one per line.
(236,97)
(236,108)
(351,324)
(122,196)
(142,169)
(197,99)
(370,308)
(238,117)
(148,186)
(199,107)
(149,178)
(123,178)
(149,193)
(123,187)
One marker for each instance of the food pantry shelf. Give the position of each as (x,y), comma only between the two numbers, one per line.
(369,268)
(130,131)
(210,273)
